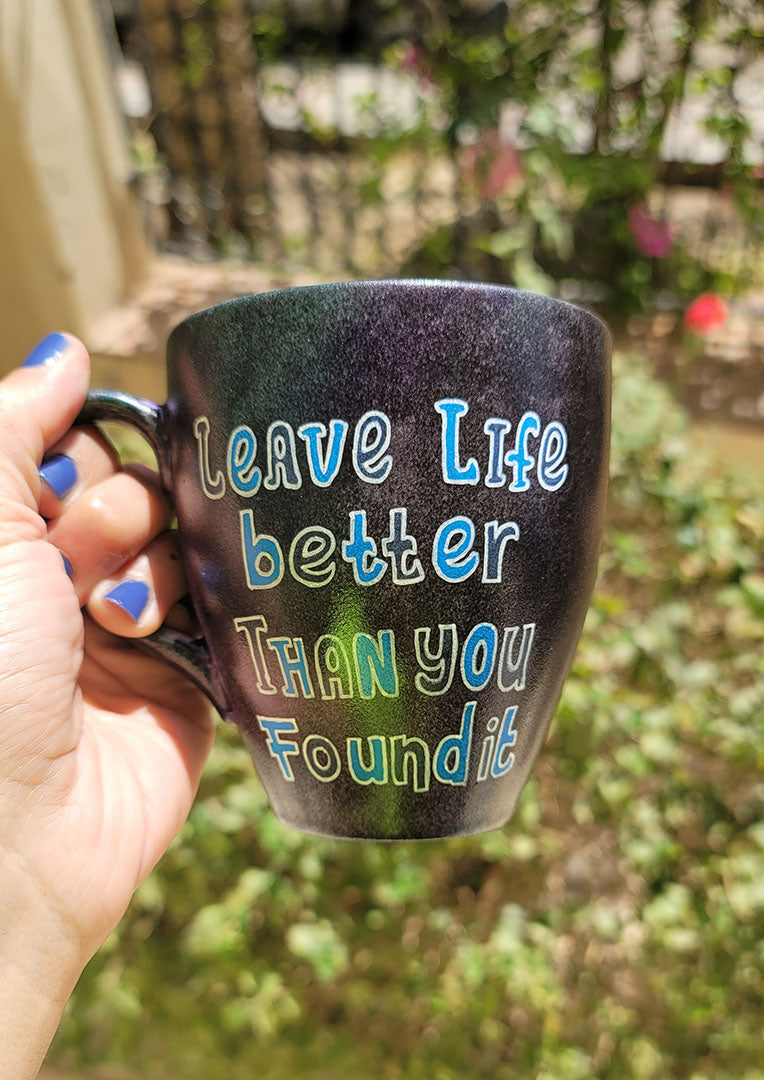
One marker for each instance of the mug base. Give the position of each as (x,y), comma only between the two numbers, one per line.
(470,829)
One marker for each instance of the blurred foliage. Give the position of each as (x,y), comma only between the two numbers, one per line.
(614,929)
(540,124)
(555,117)
(591,134)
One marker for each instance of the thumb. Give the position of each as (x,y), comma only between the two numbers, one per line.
(38,404)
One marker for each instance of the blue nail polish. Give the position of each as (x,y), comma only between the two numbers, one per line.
(48,351)
(59,473)
(67,566)
(131,596)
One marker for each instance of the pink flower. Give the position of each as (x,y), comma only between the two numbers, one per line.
(653,238)
(413,59)
(705,313)
(492,164)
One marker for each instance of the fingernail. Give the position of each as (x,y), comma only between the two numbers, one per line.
(67,566)
(131,596)
(48,351)
(59,473)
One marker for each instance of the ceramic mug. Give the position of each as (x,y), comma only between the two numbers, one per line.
(390,498)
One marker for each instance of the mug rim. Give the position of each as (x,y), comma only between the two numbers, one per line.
(393,284)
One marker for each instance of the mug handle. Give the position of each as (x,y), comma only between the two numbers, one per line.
(188,655)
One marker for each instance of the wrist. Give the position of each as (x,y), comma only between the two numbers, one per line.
(41,959)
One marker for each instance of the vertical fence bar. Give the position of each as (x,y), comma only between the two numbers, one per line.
(235,70)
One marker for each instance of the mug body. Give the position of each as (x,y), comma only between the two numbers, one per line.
(390,498)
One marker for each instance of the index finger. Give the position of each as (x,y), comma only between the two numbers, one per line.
(38,403)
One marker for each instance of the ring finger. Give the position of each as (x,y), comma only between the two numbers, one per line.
(108,524)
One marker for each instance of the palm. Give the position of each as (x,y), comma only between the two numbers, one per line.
(116,772)
(101,748)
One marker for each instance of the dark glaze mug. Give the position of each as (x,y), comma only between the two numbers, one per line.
(390,498)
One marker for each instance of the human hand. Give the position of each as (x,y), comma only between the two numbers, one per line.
(101,747)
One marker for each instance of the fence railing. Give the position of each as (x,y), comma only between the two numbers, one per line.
(374,137)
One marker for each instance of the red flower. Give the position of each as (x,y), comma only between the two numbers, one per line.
(705,313)
(653,238)
(492,164)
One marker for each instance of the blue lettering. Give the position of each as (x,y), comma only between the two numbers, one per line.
(452,554)
(479,656)
(504,758)
(245,476)
(376,772)
(257,550)
(324,470)
(280,749)
(361,551)
(375,664)
(451,410)
(452,756)
(519,460)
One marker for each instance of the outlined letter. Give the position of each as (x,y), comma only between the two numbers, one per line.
(409,755)
(401,549)
(309,553)
(253,627)
(452,554)
(504,758)
(332,667)
(452,409)
(322,758)
(438,668)
(324,469)
(479,656)
(552,470)
(496,429)
(512,672)
(258,550)
(361,551)
(293,667)
(243,475)
(375,664)
(371,460)
(282,457)
(376,771)
(451,760)
(212,486)
(495,540)
(278,748)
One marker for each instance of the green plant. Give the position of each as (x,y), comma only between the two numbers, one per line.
(590,140)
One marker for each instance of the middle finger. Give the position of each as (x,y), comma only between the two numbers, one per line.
(79,460)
